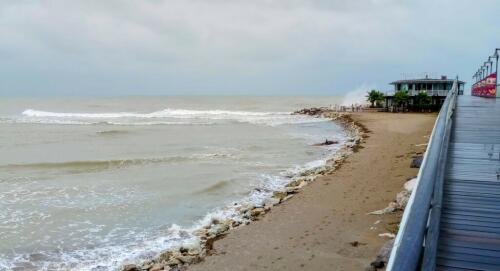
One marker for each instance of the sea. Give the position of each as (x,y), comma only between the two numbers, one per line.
(93,183)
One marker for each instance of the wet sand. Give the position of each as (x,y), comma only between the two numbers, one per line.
(318,228)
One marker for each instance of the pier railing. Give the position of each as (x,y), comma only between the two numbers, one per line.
(415,245)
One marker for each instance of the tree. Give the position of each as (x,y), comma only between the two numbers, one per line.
(375,96)
(401,98)
(422,99)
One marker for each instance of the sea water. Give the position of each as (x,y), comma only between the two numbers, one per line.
(93,183)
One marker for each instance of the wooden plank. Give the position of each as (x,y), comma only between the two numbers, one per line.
(470,220)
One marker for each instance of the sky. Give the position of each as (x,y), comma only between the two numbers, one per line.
(236,47)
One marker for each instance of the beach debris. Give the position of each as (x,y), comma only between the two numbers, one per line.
(326,143)
(356,244)
(417,161)
(393,206)
(387,234)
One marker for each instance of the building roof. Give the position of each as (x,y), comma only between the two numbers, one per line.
(424,80)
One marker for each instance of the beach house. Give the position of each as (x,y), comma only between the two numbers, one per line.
(435,93)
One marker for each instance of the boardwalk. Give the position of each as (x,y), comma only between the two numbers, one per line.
(469,236)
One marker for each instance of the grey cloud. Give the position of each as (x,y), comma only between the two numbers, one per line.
(210,47)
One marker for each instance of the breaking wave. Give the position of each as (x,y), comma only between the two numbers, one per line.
(162,117)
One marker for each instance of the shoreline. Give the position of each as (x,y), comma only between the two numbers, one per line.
(327,226)
(182,256)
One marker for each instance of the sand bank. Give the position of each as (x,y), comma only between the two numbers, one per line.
(326,226)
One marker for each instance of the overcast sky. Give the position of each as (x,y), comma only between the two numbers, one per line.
(253,47)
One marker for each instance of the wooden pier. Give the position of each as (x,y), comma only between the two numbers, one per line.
(452,221)
(469,237)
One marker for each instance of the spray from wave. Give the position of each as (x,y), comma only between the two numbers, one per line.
(357,96)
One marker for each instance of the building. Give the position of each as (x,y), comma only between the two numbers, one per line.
(436,89)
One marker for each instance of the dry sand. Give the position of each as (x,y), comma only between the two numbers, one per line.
(315,229)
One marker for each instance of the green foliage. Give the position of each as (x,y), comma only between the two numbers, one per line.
(375,96)
(401,97)
(422,99)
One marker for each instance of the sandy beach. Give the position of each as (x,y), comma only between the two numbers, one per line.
(326,225)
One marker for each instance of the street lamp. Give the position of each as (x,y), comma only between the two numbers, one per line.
(488,68)
(495,55)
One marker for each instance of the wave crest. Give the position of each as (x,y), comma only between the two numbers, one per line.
(86,165)
(164,117)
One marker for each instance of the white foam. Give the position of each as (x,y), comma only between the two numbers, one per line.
(183,116)
(143,245)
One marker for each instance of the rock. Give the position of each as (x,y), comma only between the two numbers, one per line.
(410,184)
(371,268)
(200,232)
(131,267)
(218,229)
(165,256)
(183,250)
(280,194)
(402,199)
(292,190)
(174,262)
(194,251)
(388,235)
(417,161)
(245,207)
(271,201)
(385,251)
(257,212)
(377,264)
(268,207)
(294,183)
(188,259)
(157,267)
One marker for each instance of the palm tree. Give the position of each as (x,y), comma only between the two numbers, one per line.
(401,98)
(375,96)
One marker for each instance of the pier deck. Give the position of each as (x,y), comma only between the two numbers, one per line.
(469,232)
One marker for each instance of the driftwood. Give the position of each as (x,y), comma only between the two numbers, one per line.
(326,143)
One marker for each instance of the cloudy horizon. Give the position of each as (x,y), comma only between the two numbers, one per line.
(217,47)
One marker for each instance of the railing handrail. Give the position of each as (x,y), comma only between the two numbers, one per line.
(408,245)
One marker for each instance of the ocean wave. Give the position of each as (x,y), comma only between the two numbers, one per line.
(166,113)
(143,245)
(213,187)
(162,117)
(112,132)
(86,165)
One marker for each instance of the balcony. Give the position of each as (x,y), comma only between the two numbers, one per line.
(440,92)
